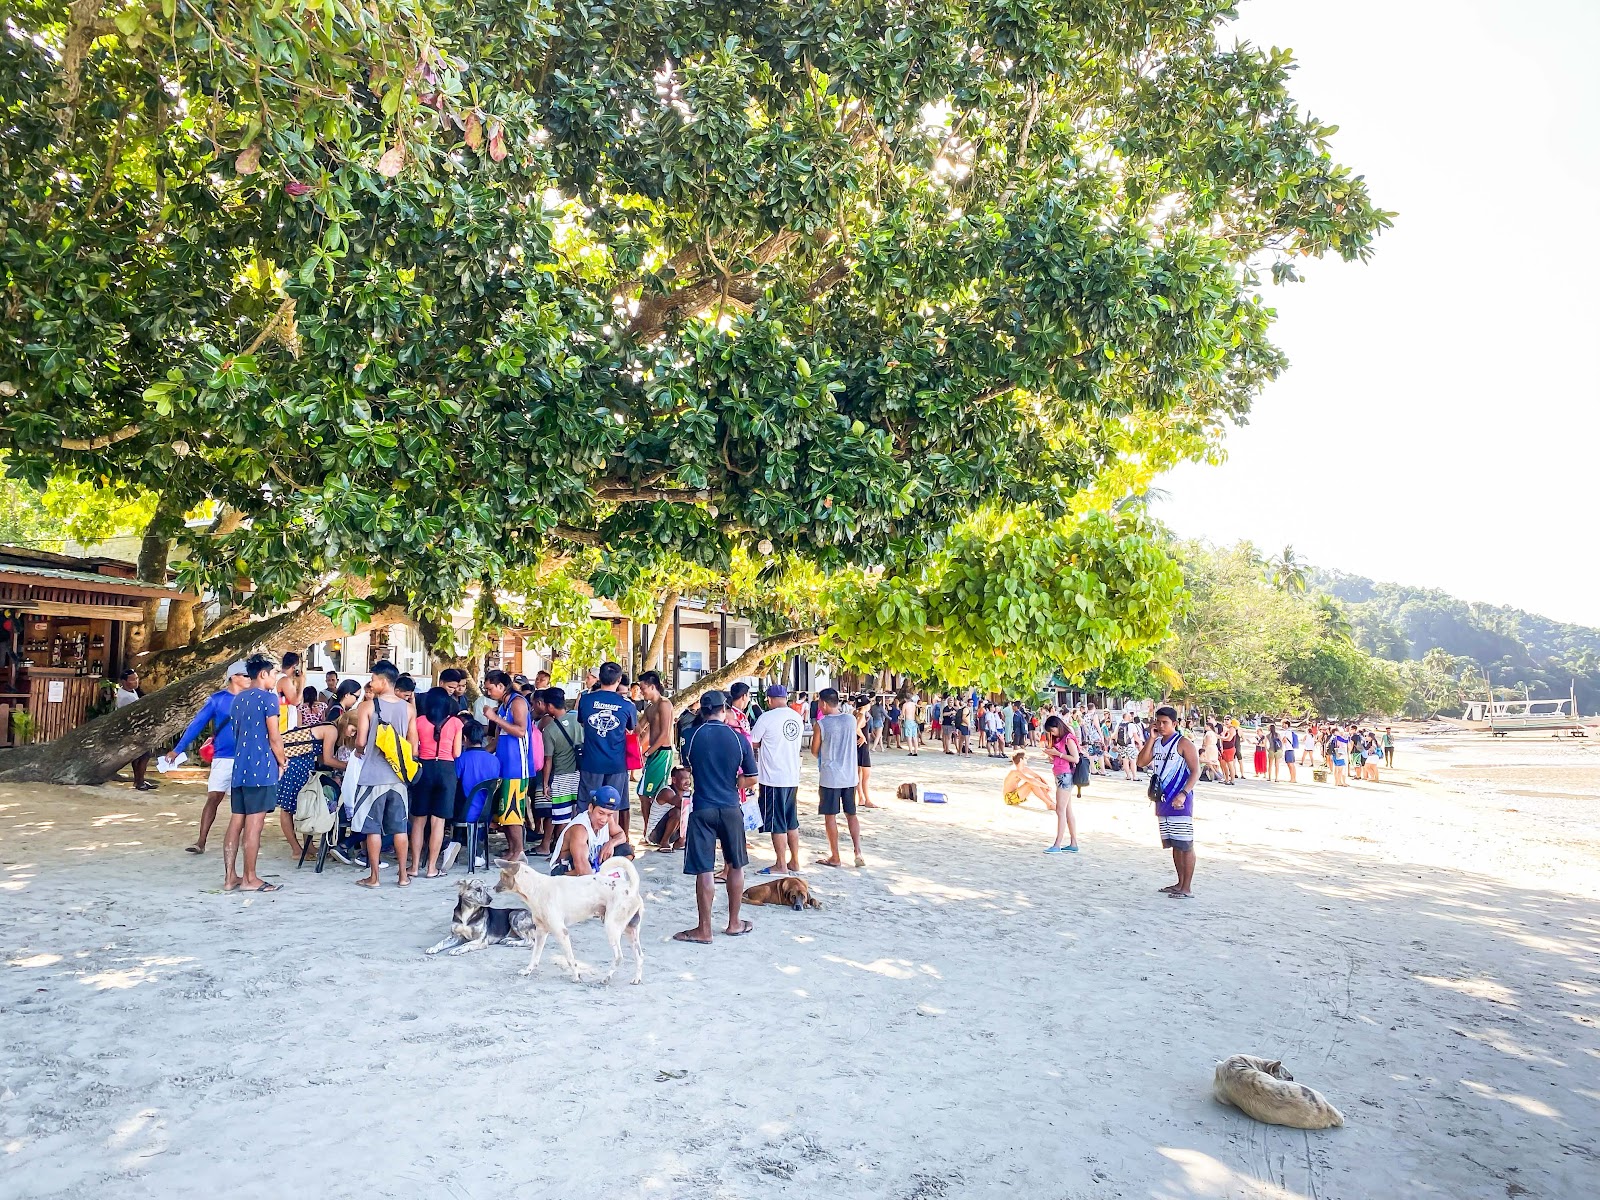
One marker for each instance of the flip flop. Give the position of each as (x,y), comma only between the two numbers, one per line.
(226,890)
(268,887)
(770,871)
(822,862)
(193,850)
(366,883)
(1180,895)
(740,932)
(860,862)
(693,941)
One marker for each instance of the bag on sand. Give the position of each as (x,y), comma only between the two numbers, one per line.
(312,817)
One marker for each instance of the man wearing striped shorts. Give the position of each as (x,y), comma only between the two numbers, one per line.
(1174,766)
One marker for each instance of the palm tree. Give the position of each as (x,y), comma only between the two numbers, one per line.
(1331,615)
(1288,572)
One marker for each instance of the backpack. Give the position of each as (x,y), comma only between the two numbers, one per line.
(396,750)
(312,817)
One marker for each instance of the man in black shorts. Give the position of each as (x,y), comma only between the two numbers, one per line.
(722,764)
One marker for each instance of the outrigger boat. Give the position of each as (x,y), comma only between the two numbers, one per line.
(1519,716)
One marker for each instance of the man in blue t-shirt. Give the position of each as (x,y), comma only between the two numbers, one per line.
(723,765)
(217,716)
(606,716)
(259,760)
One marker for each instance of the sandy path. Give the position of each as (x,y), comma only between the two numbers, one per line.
(966,1018)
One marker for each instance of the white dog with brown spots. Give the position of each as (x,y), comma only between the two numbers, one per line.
(558,902)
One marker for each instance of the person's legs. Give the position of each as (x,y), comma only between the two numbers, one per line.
(208,814)
(436,840)
(794,851)
(402,846)
(418,824)
(1066,825)
(374,853)
(140,766)
(780,842)
(854,823)
(735,898)
(286,823)
(230,852)
(249,881)
(1388,756)
(831,823)
(863,798)
(705,894)
(1184,860)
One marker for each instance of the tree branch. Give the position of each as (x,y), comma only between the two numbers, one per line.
(621,495)
(655,311)
(571,533)
(104,440)
(284,312)
(746,664)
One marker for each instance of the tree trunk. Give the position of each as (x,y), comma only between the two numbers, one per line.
(94,752)
(658,639)
(746,664)
(182,624)
(152,568)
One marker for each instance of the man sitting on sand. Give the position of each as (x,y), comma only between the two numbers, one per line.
(666,811)
(592,837)
(1023,782)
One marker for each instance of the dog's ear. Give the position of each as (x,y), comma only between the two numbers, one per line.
(1275,1069)
(505,863)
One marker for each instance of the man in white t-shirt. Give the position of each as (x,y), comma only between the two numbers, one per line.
(776,737)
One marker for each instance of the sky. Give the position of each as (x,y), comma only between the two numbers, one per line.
(1439,424)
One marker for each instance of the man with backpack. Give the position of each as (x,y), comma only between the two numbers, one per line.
(382,803)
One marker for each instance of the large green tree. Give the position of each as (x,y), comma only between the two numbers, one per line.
(428,291)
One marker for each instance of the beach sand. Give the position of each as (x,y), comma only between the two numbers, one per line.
(966,1017)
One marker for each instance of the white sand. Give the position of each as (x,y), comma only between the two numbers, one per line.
(968,1017)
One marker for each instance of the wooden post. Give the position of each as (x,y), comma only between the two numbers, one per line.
(722,639)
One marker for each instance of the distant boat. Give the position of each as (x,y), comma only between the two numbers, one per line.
(1515,716)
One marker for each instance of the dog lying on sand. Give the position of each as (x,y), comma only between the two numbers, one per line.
(796,893)
(557,902)
(476,923)
(1264,1090)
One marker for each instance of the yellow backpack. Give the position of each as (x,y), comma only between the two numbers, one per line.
(396,750)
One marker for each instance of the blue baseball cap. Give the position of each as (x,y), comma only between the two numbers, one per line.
(606,797)
(776,691)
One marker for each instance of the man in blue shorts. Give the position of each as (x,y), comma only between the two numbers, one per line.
(723,764)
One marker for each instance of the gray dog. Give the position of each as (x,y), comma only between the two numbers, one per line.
(479,922)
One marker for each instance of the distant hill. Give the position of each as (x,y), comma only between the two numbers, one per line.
(1513,647)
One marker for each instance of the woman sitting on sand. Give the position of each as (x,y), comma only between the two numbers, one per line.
(1022,783)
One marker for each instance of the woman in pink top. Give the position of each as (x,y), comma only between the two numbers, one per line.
(1062,747)
(433,791)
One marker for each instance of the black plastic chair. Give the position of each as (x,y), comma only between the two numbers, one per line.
(477,831)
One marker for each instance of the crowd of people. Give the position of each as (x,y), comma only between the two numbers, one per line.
(411,774)
(415,775)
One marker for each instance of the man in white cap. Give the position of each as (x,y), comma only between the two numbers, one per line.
(214,713)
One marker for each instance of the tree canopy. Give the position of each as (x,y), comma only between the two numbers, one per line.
(426,290)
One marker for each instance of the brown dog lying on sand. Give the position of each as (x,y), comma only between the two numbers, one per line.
(786,890)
